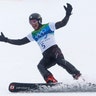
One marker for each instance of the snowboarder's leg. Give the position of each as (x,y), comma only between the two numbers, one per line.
(70,68)
(65,64)
(43,68)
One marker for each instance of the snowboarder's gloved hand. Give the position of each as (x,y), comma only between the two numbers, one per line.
(3,38)
(68,9)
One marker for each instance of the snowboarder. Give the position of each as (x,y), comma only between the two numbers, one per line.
(43,34)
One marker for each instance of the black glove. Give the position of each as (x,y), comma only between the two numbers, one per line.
(3,38)
(68,9)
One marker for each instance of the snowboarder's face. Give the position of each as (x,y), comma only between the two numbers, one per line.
(34,23)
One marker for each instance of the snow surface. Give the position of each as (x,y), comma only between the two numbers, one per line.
(77,41)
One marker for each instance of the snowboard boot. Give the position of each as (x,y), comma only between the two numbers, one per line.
(51,79)
(76,76)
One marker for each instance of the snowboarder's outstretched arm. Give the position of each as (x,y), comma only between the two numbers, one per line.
(15,42)
(63,22)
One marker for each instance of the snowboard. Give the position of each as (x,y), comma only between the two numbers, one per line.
(31,87)
(51,87)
